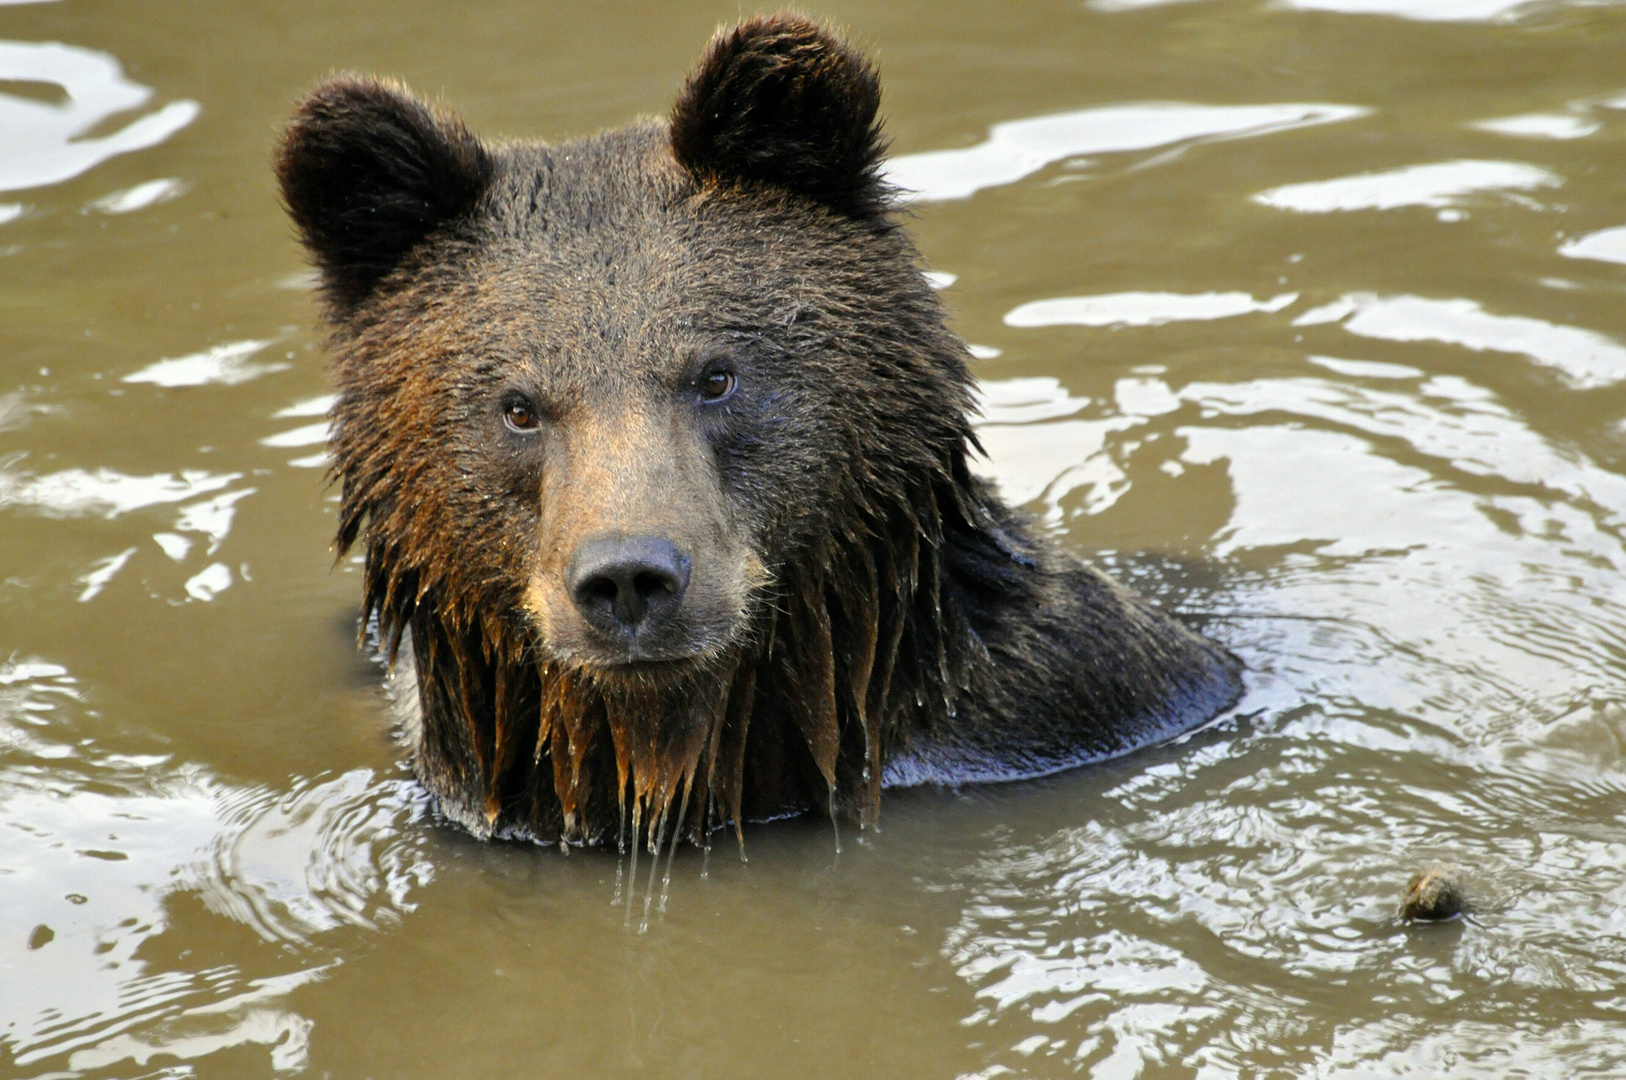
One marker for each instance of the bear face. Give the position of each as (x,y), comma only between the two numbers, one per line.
(658,443)
(606,323)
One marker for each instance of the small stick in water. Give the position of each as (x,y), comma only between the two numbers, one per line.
(1434,895)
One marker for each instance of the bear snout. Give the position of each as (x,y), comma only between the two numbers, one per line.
(629,588)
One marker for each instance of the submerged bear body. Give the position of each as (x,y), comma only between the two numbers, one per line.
(657,443)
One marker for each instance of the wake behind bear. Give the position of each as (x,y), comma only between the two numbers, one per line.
(657,444)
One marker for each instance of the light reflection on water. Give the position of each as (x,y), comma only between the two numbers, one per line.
(1423,10)
(1420,10)
(1441,185)
(1541,126)
(1606,245)
(44,142)
(1340,381)
(1585,358)
(1019,148)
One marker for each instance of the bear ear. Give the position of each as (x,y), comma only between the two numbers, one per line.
(781,100)
(367,172)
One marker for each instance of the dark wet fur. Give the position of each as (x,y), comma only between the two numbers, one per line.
(781,102)
(364,185)
(912,628)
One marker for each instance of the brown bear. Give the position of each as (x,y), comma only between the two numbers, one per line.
(658,444)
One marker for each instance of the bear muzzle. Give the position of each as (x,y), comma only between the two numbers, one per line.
(629,590)
(645,601)
(638,562)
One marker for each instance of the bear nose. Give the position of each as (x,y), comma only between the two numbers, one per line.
(624,585)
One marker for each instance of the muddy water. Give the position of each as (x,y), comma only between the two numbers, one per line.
(1306,317)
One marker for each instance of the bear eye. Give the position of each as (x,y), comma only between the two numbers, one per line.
(717,386)
(520,415)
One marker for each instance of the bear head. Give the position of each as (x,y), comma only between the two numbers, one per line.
(627,420)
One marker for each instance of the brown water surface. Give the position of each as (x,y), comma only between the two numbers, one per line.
(1303,316)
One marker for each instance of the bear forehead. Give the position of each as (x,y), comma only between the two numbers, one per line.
(618,202)
(600,250)
(601,185)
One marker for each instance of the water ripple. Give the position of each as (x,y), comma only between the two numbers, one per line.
(101,848)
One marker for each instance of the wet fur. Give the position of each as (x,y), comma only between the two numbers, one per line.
(906,626)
